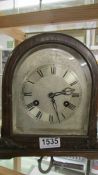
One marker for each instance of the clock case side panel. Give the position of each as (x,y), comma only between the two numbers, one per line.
(68,143)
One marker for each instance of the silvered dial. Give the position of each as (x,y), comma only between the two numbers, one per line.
(51,93)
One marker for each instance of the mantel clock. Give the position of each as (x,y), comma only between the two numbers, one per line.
(49,96)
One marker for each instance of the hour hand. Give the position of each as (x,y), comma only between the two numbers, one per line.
(66,91)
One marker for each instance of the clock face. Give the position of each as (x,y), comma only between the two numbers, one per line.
(51,92)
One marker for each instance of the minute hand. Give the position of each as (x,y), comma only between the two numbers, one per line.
(55,108)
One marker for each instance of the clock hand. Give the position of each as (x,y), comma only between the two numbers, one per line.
(30,82)
(66,91)
(55,108)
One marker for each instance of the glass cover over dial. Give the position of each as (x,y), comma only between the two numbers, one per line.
(51,92)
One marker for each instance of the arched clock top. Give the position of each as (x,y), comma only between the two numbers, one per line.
(49,91)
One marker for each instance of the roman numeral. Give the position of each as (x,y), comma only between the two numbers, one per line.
(30,106)
(38,115)
(71,106)
(53,70)
(65,74)
(73,83)
(40,73)
(75,95)
(27,93)
(51,118)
